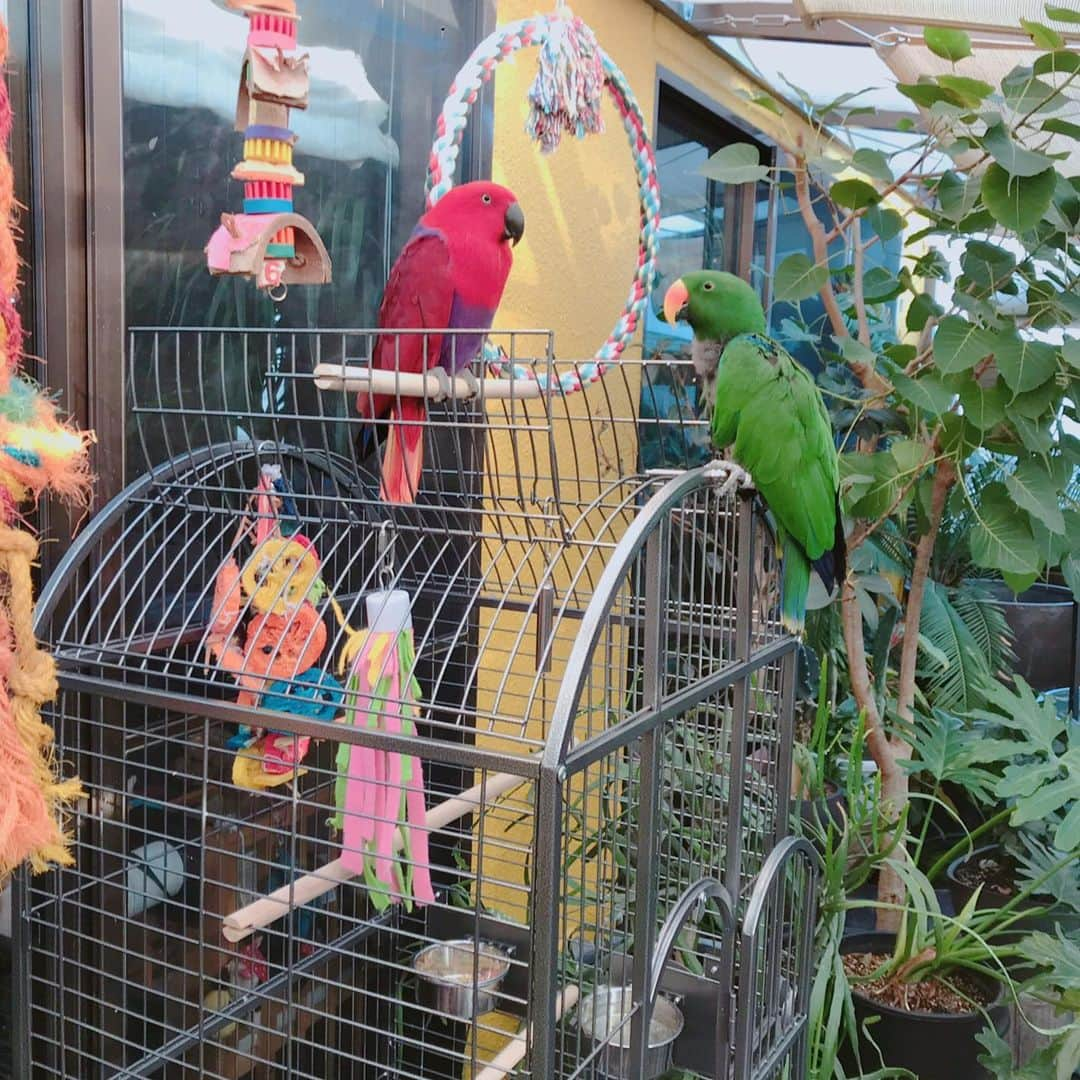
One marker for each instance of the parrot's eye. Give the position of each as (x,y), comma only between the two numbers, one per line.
(485,199)
(707,286)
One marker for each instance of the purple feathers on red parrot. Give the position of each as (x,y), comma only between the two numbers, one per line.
(450,275)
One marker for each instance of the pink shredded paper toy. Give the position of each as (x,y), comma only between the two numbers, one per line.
(379,793)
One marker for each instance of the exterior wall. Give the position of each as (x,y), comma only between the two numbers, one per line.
(572,271)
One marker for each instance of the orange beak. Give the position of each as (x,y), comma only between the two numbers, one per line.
(675,299)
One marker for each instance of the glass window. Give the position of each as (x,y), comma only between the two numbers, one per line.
(704,224)
(379,74)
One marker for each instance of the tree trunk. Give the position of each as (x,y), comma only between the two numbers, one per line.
(891,754)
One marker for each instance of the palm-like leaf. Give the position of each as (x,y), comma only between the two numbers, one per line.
(985,619)
(955,684)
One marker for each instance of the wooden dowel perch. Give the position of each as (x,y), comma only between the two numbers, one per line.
(354,379)
(509,1057)
(276,905)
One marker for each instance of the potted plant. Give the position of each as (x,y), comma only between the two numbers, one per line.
(1022,749)
(880,1000)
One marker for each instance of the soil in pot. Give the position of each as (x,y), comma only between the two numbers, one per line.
(954,997)
(929,1029)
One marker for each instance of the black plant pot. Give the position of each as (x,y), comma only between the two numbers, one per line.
(820,812)
(1048,922)
(934,1046)
(961,892)
(1042,621)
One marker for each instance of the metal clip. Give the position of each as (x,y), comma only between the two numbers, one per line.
(386,554)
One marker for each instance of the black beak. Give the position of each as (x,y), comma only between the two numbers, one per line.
(514,224)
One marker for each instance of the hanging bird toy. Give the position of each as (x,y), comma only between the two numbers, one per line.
(380,798)
(268,634)
(269,241)
(573,75)
(39,453)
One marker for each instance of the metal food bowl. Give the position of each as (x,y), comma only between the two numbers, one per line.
(460,979)
(603,1017)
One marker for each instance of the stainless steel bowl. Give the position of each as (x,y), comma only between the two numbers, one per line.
(604,1019)
(455,981)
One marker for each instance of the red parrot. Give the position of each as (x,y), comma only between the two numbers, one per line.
(450,275)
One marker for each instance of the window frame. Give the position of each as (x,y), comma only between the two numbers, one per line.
(665,77)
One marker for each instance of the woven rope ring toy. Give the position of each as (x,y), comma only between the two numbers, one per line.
(450,129)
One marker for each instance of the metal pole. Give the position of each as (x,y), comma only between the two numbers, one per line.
(744,612)
(21,982)
(544,963)
(657,576)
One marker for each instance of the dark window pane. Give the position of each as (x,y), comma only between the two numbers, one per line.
(379,74)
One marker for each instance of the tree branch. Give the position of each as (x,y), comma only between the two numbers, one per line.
(924,550)
(821,245)
(898,183)
(857,287)
(865,531)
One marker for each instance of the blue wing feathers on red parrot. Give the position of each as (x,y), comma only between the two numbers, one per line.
(449,276)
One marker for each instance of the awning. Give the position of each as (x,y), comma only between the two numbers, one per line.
(992,16)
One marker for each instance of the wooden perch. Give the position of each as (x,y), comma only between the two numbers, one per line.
(355,379)
(261,913)
(509,1057)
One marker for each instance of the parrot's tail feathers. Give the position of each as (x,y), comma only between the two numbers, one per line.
(796,587)
(372,407)
(831,567)
(403,457)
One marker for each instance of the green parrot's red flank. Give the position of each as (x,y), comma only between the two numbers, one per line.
(767,407)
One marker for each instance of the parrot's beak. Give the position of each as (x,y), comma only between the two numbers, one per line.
(675,301)
(514,224)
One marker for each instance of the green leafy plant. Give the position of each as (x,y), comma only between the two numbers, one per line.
(847,863)
(982,756)
(1056,981)
(987,363)
(1043,775)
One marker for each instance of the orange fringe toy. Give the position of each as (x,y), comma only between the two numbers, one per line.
(38,452)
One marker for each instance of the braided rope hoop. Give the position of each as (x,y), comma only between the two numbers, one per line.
(450,129)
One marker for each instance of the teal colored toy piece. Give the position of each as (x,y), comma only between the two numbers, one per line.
(280,251)
(315,694)
(244,737)
(24,457)
(268,206)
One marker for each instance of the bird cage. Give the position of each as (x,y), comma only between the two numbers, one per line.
(603,731)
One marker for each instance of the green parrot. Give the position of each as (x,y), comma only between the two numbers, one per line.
(768,406)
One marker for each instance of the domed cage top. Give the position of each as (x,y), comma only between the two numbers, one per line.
(603,740)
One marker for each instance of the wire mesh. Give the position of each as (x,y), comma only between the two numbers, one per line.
(605,721)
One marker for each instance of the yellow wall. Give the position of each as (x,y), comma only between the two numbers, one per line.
(572,271)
